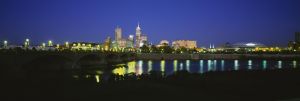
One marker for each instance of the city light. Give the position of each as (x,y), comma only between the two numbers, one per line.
(67,44)
(50,43)
(43,45)
(5,43)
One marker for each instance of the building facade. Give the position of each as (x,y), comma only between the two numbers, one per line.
(118,34)
(185,44)
(138,33)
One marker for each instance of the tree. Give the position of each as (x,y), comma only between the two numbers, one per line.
(145,49)
(154,49)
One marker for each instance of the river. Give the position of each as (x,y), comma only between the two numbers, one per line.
(168,67)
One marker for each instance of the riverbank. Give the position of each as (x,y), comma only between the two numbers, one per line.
(266,85)
(158,56)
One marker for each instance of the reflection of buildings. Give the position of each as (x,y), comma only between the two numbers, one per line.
(184,43)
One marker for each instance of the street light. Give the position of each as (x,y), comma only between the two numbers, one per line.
(43,45)
(26,44)
(67,44)
(50,43)
(5,43)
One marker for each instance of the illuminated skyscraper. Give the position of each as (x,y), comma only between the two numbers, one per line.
(107,43)
(138,34)
(130,41)
(118,34)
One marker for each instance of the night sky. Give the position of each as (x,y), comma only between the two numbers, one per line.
(271,22)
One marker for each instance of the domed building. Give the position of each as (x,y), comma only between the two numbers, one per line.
(242,47)
(248,45)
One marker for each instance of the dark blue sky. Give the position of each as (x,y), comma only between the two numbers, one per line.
(272,22)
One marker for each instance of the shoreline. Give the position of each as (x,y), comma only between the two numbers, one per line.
(157,56)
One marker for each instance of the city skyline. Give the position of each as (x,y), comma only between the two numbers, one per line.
(207,22)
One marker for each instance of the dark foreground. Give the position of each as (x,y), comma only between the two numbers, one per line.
(266,85)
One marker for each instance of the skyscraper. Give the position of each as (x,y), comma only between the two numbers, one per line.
(118,34)
(297,37)
(107,43)
(138,36)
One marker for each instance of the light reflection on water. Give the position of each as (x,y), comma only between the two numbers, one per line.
(215,65)
(175,63)
(149,66)
(188,65)
(131,67)
(222,65)
(294,64)
(264,64)
(168,67)
(209,65)
(139,69)
(236,64)
(181,66)
(279,64)
(249,64)
(201,66)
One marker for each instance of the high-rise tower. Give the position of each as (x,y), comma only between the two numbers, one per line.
(138,33)
(118,34)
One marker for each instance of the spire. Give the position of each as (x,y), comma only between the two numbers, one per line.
(138,27)
(210,45)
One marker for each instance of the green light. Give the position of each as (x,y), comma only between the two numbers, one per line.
(264,64)
(97,78)
(50,43)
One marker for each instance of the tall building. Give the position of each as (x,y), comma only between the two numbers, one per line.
(122,43)
(143,40)
(118,34)
(107,43)
(184,43)
(138,33)
(297,37)
(130,41)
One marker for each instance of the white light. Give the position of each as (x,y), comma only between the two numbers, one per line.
(130,36)
(141,44)
(250,44)
(27,40)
